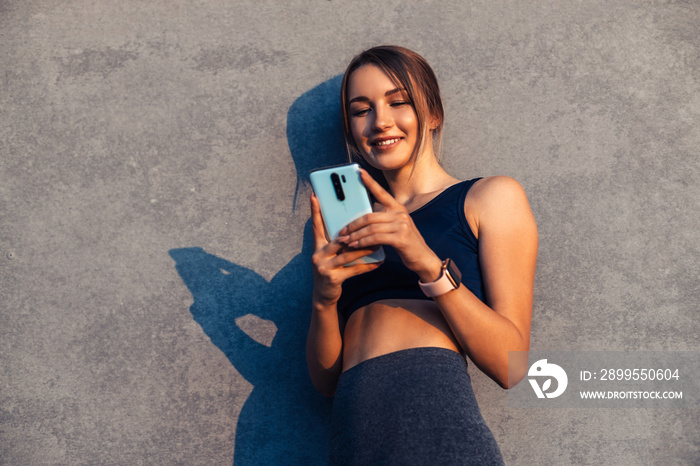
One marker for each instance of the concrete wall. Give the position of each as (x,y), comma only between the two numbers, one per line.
(154,285)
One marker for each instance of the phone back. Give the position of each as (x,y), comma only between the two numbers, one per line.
(337,210)
(343,198)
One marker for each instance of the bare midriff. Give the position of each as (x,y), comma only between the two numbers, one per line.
(391,325)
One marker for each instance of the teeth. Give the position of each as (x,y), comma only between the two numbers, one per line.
(387,142)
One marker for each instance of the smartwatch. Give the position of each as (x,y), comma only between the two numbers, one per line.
(450,278)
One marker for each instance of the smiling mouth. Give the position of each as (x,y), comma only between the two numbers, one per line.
(386,142)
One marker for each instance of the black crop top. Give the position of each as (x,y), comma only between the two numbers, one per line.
(444,228)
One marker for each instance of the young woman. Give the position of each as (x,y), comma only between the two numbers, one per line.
(388,340)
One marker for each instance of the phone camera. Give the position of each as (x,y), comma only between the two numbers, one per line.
(335,179)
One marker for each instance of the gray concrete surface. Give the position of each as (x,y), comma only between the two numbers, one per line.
(153,277)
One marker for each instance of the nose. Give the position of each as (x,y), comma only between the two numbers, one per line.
(382,119)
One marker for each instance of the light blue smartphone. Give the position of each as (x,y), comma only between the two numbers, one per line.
(343,198)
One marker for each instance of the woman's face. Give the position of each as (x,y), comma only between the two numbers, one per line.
(382,120)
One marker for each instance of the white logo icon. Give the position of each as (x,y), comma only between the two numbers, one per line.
(543,369)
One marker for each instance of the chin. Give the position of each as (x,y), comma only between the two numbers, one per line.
(387,162)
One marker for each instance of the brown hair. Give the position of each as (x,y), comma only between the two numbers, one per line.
(409,71)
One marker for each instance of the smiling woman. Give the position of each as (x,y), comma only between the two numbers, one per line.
(410,87)
(389,340)
(383,124)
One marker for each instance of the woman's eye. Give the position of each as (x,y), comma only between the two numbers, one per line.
(360,112)
(399,103)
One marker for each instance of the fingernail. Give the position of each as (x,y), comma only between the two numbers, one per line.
(353,244)
(344,231)
(343,239)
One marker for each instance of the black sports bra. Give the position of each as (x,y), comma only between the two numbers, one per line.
(444,228)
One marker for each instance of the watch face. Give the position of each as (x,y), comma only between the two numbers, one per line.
(453,273)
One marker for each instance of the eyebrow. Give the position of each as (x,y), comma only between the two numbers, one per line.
(386,94)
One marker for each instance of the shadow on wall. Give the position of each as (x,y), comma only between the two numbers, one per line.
(284,420)
(315,131)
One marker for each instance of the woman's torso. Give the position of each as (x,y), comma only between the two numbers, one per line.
(391,314)
(392,325)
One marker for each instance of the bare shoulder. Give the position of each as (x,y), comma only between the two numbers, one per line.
(496,189)
(496,201)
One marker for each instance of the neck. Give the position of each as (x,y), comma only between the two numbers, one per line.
(423,176)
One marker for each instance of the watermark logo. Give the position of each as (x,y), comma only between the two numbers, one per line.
(543,369)
(605,379)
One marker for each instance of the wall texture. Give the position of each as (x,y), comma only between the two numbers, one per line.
(154,285)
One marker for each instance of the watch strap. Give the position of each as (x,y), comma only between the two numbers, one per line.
(444,284)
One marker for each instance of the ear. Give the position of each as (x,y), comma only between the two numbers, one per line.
(435,123)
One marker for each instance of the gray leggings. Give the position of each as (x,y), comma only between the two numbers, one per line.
(411,407)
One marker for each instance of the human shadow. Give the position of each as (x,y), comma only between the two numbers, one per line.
(284,420)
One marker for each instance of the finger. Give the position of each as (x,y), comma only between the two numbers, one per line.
(381,194)
(388,238)
(346,271)
(358,269)
(350,255)
(362,237)
(319,228)
(368,219)
(331,249)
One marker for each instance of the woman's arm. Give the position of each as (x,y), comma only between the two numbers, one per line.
(324,343)
(324,347)
(501,215)
(498,209)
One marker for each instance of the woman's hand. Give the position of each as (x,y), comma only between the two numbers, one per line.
(329,259)
(392,226)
